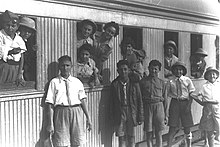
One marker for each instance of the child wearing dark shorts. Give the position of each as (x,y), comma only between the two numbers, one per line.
(180,89)
(154,95)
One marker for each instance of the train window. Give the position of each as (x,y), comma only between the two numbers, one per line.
(170,51)
(131,49)
(217,51)
(197,61)
(14,74)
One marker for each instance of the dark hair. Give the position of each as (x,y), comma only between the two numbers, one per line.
(86,47)
(126,41)
(122,62)
(113,24)
(64,58)
(155,63)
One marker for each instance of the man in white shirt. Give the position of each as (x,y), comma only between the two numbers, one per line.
(66,100)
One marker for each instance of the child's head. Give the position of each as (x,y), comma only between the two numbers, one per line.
(65,66)
(211,74)
(179,69)
(169,48)
(123,69)
(85,52)
(111,29)
(10,22)
(127,46)
(88,27)
(27,27)
(154,68)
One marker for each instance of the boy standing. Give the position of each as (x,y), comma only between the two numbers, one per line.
(155,103)
(126,107)
(66,100)
(180,89)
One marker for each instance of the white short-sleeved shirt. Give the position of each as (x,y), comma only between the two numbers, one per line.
(56,93)
(211,91)
(186,85)
(7,44)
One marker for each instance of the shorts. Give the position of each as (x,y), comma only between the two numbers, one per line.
(154,117)
(178,112)
(126,126)
(68,126)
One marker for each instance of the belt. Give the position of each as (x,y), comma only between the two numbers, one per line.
(178,99)
(77,105)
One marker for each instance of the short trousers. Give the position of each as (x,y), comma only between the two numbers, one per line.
(178,112)
(68,126)
(126,126)
(154,116)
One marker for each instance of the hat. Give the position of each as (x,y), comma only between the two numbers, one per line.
(170,43)
(8,16)
(201,52)
(89,22)
(210,69)
(178,63)
(28,22)
(112,24)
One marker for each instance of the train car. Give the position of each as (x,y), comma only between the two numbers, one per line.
(192,24)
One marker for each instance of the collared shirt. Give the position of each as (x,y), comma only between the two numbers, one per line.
(186,85)
(81,41)
(57,92)
(153,89)
(86,70)
(210,91)
(7,44)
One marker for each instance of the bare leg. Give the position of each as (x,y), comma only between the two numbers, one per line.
(122,141)
(159,141)
(149,139)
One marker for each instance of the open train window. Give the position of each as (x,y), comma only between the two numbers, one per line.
(11,77)
(198,54)
(170,51)
(132,49)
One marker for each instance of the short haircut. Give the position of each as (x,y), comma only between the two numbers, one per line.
(155,63)
(126,41)
(64,58)
(112,24)
(86,47)
(122,62)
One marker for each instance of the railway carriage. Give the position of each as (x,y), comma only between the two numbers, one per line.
(191,24)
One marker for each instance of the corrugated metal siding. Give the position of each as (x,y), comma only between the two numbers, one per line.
(209,46)
(55,38)
(153,40)
(20,122)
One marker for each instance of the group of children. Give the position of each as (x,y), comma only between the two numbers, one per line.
(13,49)
(127,110)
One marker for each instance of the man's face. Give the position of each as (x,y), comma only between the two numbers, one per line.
(123,71)
(169,50)
(65,68)
(10,27)
(178,71)
(154,70)
(87,30)
(25,32)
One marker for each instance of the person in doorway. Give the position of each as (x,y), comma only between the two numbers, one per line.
(126,107)
(155,101)
(198,63)
(12,47)
(180,89)
(169,58)
(27,29)
(66,101)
